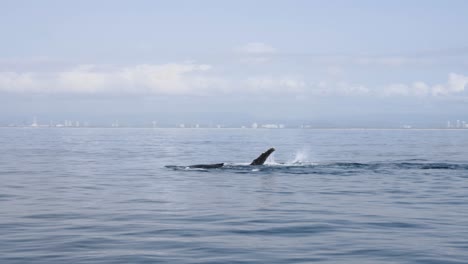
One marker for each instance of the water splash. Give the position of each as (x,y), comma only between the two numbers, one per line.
(333,168)
(301,156)
(271,160)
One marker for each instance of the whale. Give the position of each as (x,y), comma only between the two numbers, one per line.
(206,166)
(260,160)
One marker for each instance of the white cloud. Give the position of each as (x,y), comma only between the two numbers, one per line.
(84,79)
(396,89)
(18,82)
(351,89)
(167,78)
(420,89)
(456,83)
(277,85)
(298,86)
(173,78)
(331,88)
(199,79)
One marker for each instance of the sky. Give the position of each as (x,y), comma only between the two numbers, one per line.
(326,63)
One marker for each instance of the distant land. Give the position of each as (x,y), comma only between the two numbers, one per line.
(451,124)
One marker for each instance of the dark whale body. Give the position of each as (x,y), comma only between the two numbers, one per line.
(207,166)
(260,160)
(263,157)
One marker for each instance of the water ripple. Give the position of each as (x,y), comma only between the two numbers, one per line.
(106,196)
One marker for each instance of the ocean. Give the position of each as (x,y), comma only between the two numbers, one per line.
(124,195)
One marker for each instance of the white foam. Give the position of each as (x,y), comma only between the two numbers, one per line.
(301,156)
(271,160)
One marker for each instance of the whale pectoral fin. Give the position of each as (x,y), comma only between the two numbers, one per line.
(263,157)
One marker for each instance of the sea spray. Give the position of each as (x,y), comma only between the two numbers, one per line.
(271,160)
(301,156)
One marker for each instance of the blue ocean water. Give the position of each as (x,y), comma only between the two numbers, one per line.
(326,196)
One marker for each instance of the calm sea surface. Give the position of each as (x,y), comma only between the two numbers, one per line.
(327,196)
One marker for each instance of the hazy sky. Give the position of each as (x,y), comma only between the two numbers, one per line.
(327,62)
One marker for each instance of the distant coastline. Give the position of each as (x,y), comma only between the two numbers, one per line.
(234,128)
